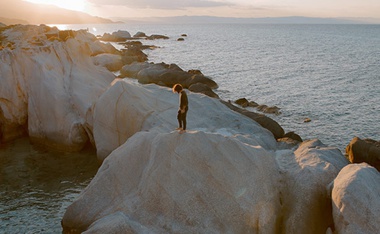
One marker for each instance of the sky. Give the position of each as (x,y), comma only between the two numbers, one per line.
(222,8)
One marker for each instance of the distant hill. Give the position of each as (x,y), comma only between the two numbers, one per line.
(20,12)
(269,20)
(7,21)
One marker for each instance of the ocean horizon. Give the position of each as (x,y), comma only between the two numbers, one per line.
(328,73)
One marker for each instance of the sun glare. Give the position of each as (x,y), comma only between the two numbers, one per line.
(76,5)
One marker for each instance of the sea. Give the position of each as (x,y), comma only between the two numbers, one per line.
(328,74)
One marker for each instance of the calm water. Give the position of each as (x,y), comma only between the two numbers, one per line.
(328,73)
(36,186)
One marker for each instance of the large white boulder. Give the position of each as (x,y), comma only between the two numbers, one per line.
(50,87)
(306,174)
(112,62)
(195,182)
(356,199)
(127,108)
(116,223)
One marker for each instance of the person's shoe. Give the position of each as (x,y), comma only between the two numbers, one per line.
(178,129)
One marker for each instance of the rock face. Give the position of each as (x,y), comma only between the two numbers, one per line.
(201,182)
(306,174)
(355,196)
(367,150)
(127,108)
(49,87)
(195,182)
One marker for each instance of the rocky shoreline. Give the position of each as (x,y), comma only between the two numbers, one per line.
(234,171)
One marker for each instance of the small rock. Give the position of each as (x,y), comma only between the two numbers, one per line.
(140,34)
(253,104)
(242,102)
(195,72)
(366,150)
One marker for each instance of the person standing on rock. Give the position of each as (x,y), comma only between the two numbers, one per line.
(183,107)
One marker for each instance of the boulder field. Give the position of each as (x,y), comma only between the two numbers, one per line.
(227,174)
(49,85)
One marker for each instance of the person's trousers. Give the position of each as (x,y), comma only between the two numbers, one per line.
(182,119)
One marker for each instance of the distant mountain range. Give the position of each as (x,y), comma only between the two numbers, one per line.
(21,12)
(269,20)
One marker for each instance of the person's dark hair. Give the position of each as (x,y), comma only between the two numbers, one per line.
(177,88)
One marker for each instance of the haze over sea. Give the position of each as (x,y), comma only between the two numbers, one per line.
(328,73)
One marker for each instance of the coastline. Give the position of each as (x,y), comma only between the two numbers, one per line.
(94,122)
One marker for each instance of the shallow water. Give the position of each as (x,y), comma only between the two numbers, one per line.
(37,185)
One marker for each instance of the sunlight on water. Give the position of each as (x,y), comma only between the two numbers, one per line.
(60,26)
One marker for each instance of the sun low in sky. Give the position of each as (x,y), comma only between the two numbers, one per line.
(221,8)
(76,5)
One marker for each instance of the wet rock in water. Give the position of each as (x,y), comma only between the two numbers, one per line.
(264,121)
(133,54)
(166,75)
(194,79)
(355,199)
(269,109)
(242,102)
(131,44)
(307,120)
(137,45)
(180,39)
(172,74)
(118,36)
(294,136)
(140,34)
(156,36)
(202,88)
(253,104)
(366,150)
(195,72)
(183,35)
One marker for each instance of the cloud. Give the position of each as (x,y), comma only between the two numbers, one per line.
(162,4)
